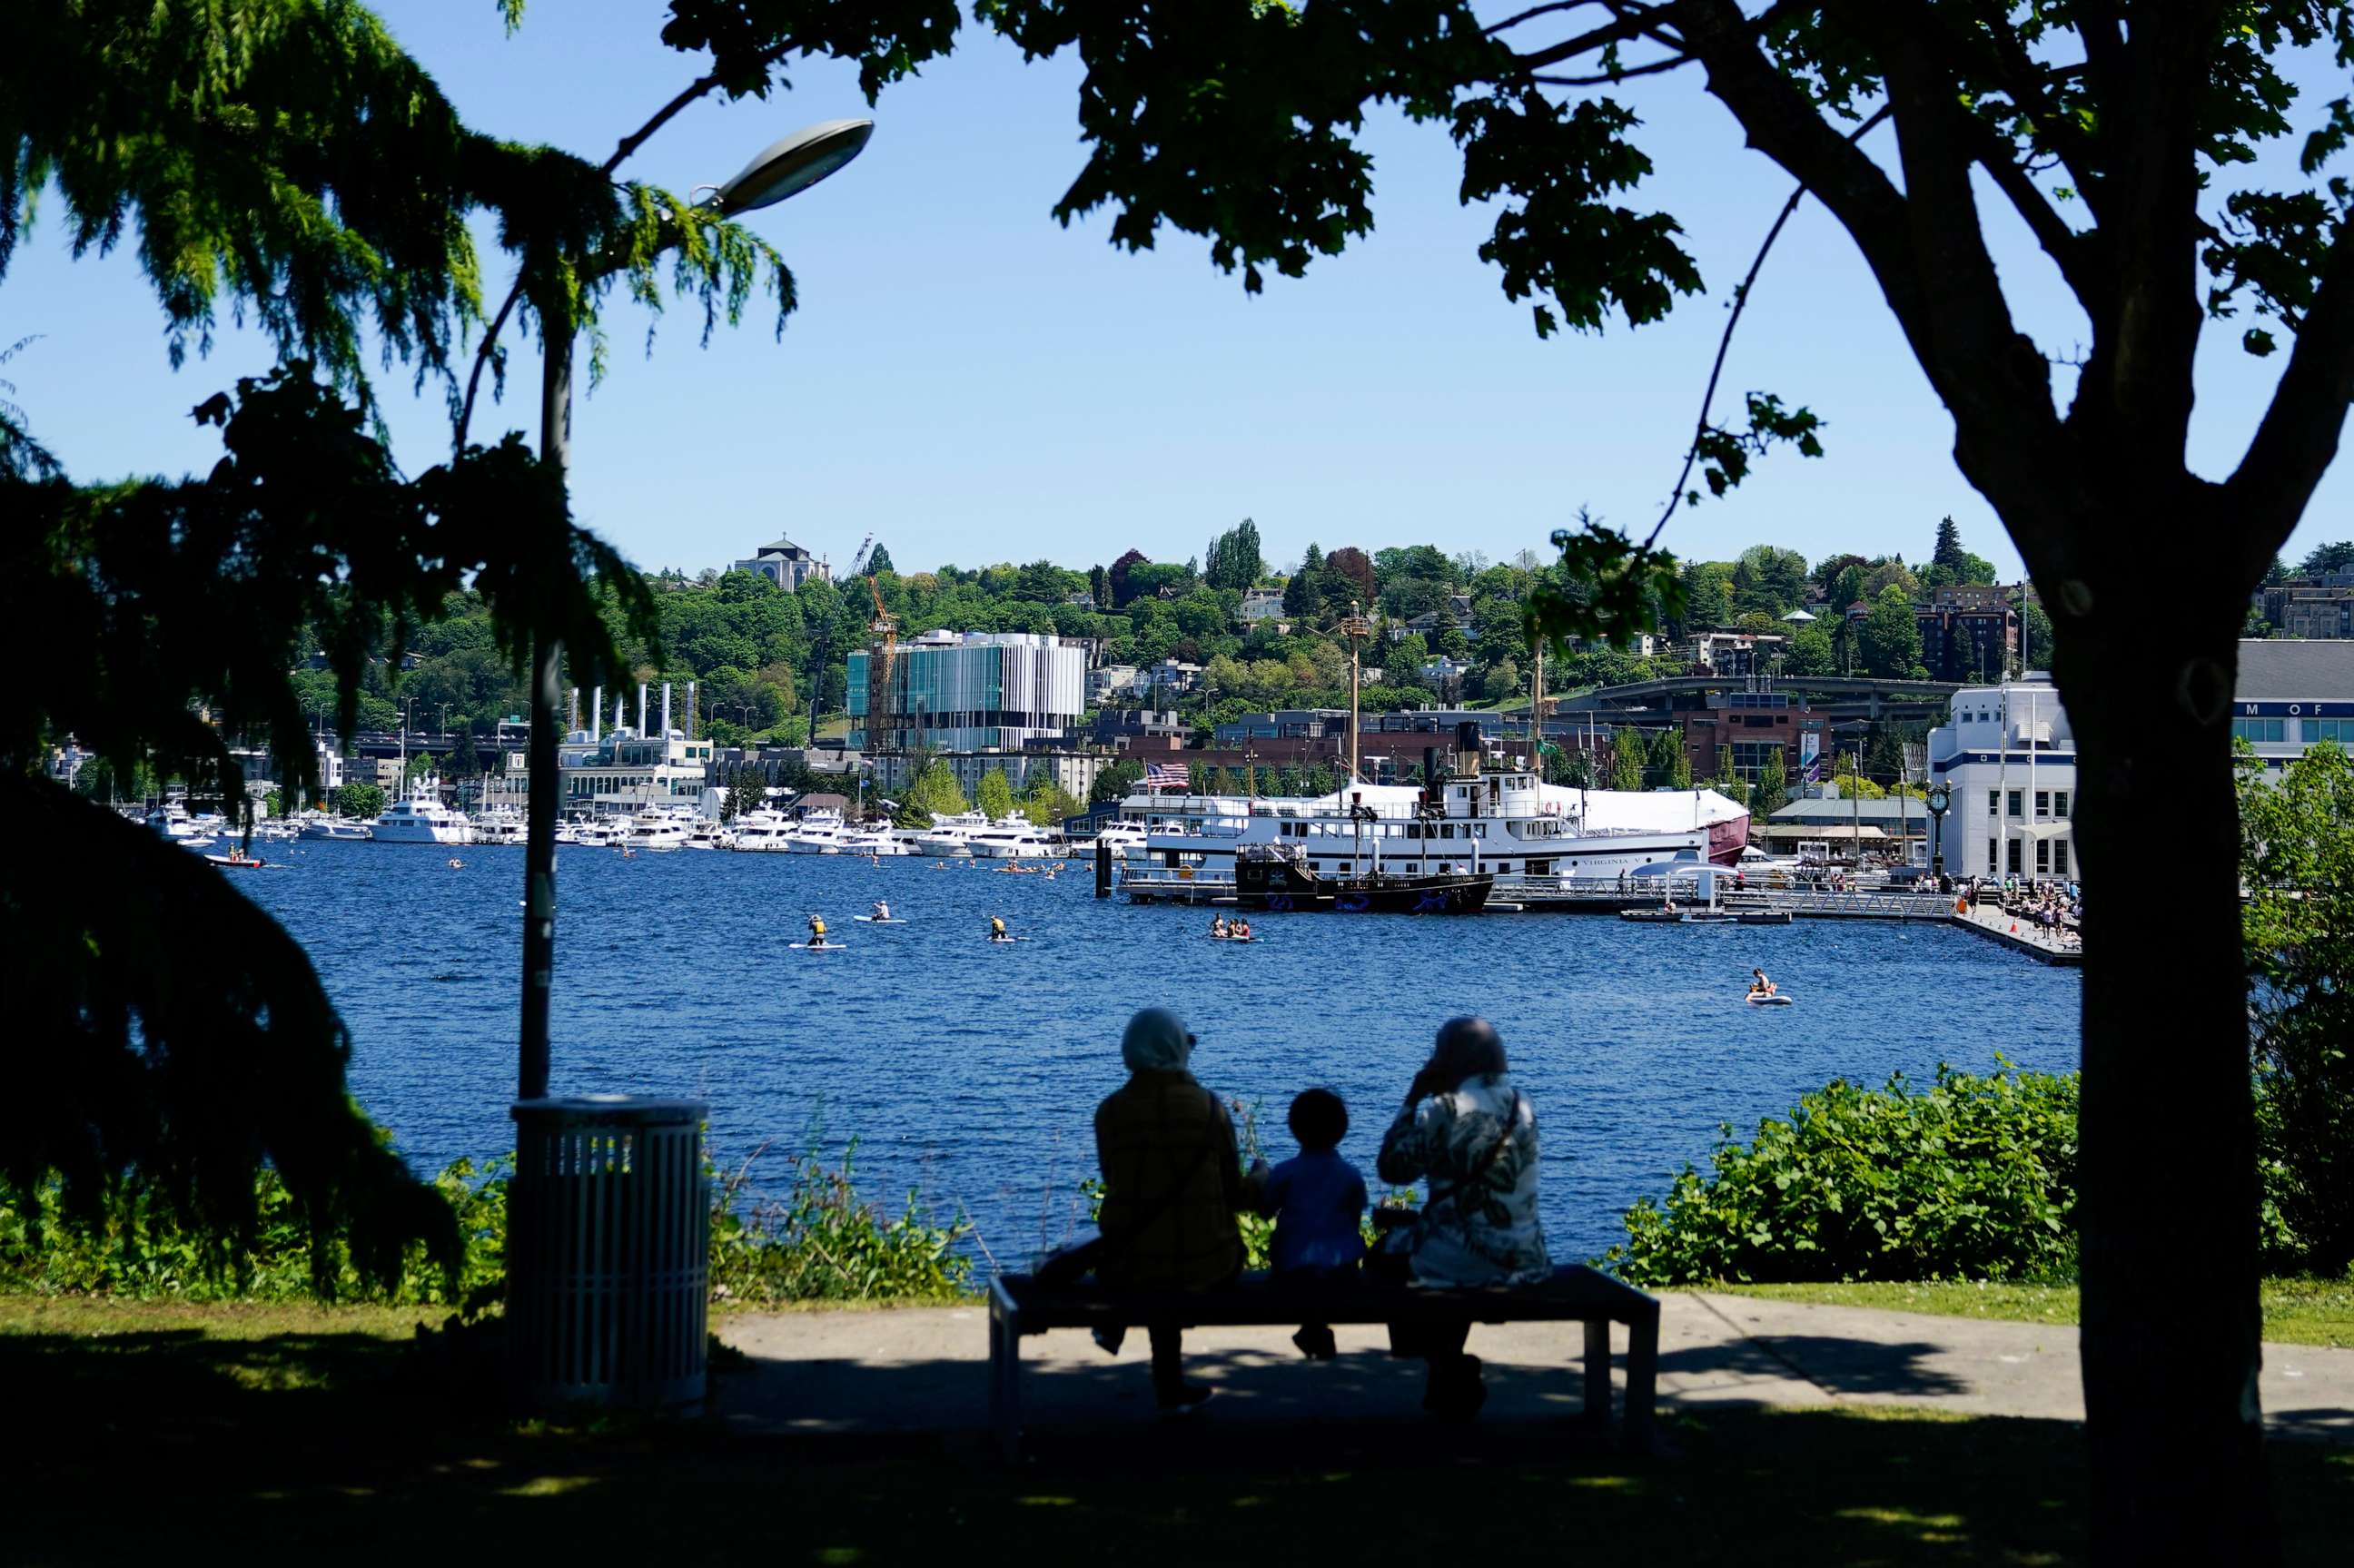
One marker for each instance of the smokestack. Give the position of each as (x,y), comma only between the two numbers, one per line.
(665,728)
(571,709)
(620,712)
(596,714)
(693,713)
(642,708)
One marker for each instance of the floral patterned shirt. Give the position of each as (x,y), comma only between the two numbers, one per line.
(1476,1147)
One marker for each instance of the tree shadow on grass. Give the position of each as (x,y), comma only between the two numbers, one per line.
(159,1446)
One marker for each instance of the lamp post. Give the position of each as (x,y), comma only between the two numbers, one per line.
(783,169)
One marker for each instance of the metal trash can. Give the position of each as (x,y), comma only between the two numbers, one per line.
(609,1252)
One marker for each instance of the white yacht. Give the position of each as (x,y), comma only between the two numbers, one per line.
(707,834)
(320,828)
(501,825)
(1477,816)
(600,833)
(656,830)
(1121,837)
(763,831)
(817,832)
(419,821)
(873,840)
(949,837)
(1011,838)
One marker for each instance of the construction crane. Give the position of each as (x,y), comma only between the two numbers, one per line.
(858,562)
(885,632)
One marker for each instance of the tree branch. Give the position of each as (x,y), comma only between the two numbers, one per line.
(1631,23)
(1649,68)
(698,88)
(1533,12)
(2025,82)
(2297,438)
(2068,249)
(1724,343)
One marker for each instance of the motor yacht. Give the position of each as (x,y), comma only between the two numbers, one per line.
(763,831)
(707,834)
(501,825)
(1011,838)
(656,830)
(873,840)
(817,832)
(420,820)
(949,837)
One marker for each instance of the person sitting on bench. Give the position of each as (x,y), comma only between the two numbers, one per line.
(1173,1183)
(1318,1201)
(1472,1136)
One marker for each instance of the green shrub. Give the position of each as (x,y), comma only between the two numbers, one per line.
(1973,1179)
(815,1240)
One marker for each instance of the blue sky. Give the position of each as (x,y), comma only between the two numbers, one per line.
(972,382)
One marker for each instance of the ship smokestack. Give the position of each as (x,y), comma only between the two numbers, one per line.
(596,714)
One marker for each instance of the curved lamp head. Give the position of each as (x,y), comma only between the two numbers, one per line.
(793,164)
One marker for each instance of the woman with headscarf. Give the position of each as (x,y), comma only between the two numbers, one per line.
(1472,1137)
(1173,1185)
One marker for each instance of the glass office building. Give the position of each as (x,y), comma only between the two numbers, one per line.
(972,691)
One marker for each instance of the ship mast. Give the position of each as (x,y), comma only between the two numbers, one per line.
(1353,627)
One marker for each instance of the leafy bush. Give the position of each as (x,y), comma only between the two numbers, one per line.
(1974,1178)
(815,1241)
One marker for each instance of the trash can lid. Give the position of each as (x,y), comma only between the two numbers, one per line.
(609,1110)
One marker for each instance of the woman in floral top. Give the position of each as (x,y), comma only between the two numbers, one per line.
(1472,1137)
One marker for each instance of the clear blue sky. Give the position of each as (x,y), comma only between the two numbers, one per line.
(972,382)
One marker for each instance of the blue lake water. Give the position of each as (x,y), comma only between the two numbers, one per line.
(969,1071)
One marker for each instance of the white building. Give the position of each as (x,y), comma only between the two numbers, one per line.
(1108,681)
(617,772)
(786,563)
(2009,757)
(972,691)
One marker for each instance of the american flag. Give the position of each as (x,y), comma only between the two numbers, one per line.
(1160,776)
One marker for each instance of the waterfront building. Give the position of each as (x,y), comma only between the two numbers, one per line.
(785,564)
(1073,772)
(2294,694)
(1753,728)
(973,690)
(1828,812)
(2008,761)
(617,772)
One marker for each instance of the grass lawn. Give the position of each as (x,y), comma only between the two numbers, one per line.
(2304,1311)
(155,1432)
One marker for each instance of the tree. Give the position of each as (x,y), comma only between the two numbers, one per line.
(1099,587)
(1890,639)
(935,792)
(1303,596)
(2322,558)
(1661,755)
(1773,788)
(993,795)
(360,800)
(1349,575)
(2297,847)
(1627,758)
(1114,783)
(879,561)
(1947,552)
(1234,559)
(1502,683)
(747,795)
(1811,652)
(1121,593)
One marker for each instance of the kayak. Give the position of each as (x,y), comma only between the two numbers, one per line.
(1233,938)
(878,919)
(1777,1000)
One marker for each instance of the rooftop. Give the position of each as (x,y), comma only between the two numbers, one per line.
(2294,668)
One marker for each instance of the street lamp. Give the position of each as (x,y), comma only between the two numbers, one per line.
(782,170)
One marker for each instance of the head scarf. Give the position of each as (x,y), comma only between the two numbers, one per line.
(1467,1048)
(1156,1041)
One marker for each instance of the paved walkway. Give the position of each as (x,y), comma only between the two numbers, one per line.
(912,1371)
(2053,947)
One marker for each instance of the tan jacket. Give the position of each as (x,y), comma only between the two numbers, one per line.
(1166,1149)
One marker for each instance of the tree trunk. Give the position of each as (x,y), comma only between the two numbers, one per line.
(2168,1166)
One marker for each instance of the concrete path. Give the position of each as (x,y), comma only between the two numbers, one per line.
(925,1372)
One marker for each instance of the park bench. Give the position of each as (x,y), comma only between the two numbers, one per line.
(1019,1305)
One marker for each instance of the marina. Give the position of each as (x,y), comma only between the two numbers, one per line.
(968,1071)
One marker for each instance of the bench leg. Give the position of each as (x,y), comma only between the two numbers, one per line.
(1597,1372)
(1642,1380)
(1005,1386)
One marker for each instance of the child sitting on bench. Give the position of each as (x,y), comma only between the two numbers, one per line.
(1317,1199)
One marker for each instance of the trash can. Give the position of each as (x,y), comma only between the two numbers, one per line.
(609,1252)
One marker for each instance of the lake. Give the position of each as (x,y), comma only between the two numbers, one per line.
(968,1072)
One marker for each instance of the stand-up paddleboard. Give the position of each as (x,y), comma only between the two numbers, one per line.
(1004,941)
(1777,1000)
(1233,938)
(878,920)
(819,946)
